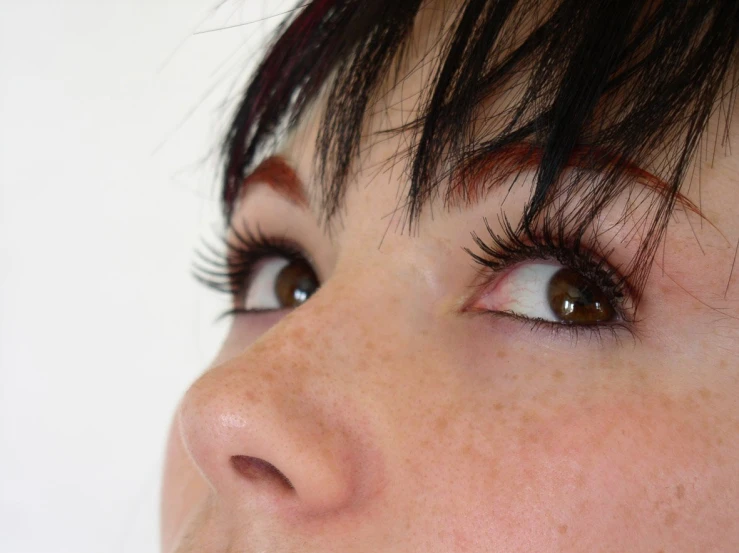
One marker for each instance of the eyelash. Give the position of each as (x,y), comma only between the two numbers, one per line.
(231,269)
(513,246)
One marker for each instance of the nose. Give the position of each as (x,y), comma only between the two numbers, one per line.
(269,427)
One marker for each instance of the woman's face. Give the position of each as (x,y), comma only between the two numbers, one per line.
(412,405)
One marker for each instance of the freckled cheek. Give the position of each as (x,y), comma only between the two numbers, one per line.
(580,471)
(606,465)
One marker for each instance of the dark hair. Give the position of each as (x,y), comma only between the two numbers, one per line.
(637,79)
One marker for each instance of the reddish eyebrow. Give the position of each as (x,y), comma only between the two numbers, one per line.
(471,182)
(276,173)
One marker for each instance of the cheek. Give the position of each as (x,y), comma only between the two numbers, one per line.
(575,477)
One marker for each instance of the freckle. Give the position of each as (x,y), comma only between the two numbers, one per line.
(581,480)
(498,406)
(529,417)
(671,518)
(680,491)
(722,364)
(260,348)
(502,354)
(441,423)
(558,375)
(705,393)
(562,529)
(318,309)
(666,402)
(298,334)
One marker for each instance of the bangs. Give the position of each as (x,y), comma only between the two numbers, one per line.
(613,84)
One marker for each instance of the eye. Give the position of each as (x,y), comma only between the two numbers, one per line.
(279,283)
(550,292)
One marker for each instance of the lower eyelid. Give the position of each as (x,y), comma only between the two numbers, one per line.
(555,335)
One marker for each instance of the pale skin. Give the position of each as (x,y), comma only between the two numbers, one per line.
(406,422)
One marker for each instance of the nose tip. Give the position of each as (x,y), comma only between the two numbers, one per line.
(255,443)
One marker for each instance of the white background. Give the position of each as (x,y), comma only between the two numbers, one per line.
(110,112)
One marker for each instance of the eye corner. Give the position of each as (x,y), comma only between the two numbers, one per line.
(486,281)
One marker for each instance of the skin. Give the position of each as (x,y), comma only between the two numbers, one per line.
(407,422)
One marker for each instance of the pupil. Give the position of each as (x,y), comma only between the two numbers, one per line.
(295,284)
(575,300)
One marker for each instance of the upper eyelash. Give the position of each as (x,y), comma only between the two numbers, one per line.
(230,269)
(513,246)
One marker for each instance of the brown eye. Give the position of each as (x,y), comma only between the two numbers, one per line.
(279,283)
(295,283)
(576,300)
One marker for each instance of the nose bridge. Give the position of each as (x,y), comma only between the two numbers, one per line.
(274,423)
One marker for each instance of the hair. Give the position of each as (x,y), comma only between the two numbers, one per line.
(637,79)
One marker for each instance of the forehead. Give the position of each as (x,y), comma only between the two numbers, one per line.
(711,186)
(393,131)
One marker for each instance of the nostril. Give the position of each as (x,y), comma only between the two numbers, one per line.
(253,468)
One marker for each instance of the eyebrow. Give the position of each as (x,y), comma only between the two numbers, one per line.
(276,173)
(472,181)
